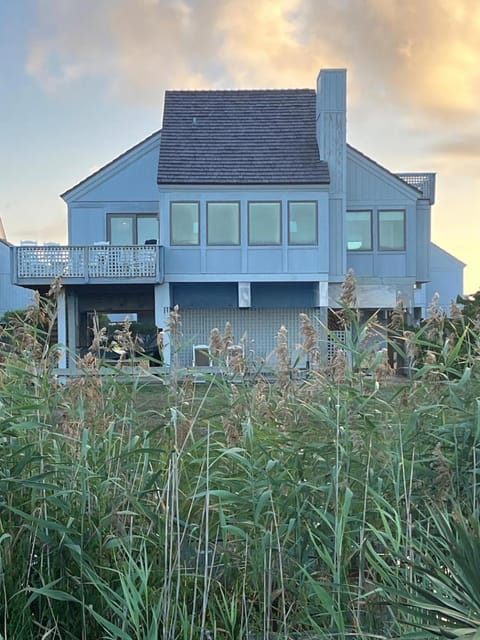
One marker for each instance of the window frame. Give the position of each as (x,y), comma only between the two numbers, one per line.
(265,244)
(184,244)
(134,217)
(302,244)
(370,212)
(404,229)
(239,227)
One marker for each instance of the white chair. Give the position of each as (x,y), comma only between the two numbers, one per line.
(201,356)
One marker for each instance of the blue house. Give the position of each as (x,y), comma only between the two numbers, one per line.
(12,297)
(247,207)
(446,280)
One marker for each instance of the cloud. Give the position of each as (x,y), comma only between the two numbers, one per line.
(422,55)
(463,146)
(136,47)
(413,72)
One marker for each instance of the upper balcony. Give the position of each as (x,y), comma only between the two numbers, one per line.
(424,182)
(37,265)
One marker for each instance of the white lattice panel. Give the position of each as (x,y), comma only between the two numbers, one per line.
(260,325)
(50,262)
(87,262)
(122,262)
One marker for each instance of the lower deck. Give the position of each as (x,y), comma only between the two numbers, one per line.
(271,325)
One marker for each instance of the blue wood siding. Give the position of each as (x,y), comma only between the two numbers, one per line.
(283,295)
(88,220)
(446,276)
(372,188)
(209,295)
(223,260)
(127,185)
(12,298)
(223,295)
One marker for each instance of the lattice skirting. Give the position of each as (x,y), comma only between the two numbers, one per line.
(259,326)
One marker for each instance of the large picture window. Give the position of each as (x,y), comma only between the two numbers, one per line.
(223,223)
(132,228)
(184,223)
(391,230)
(302,223)
(359,230)
(264,223)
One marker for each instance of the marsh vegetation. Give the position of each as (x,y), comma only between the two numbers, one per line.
(342,503)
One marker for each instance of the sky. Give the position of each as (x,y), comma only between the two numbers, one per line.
(81,81)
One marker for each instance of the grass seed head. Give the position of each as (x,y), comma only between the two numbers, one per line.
(283,358)
(455,312)
(397,317)
(216,343)
(383,369)
(227,339)
(339,366)
(55,288)
(348,296)
(308,333)
(411,348)
(435,321)
(348,314)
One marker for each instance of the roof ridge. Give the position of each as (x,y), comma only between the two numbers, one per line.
(252,90)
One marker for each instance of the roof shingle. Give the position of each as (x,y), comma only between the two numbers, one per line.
(240,137)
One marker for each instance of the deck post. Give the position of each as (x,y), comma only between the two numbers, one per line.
(162,315)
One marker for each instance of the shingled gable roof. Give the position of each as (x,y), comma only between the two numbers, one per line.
(240,137)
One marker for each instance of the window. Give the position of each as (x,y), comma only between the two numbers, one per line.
(302,223)
(264,224)
(391,230)
(184,223)
(132,228)
(223,223)
(359,230)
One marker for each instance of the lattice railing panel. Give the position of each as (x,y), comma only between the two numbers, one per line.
(122,262)
(92,262)
(50,262)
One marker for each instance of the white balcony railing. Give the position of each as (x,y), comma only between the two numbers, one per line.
(87,263)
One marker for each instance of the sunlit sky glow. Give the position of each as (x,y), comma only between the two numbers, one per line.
(81,82)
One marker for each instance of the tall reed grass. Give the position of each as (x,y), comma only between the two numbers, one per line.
(314,506)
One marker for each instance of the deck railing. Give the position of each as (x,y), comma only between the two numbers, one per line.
(87,263)
(424,182)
